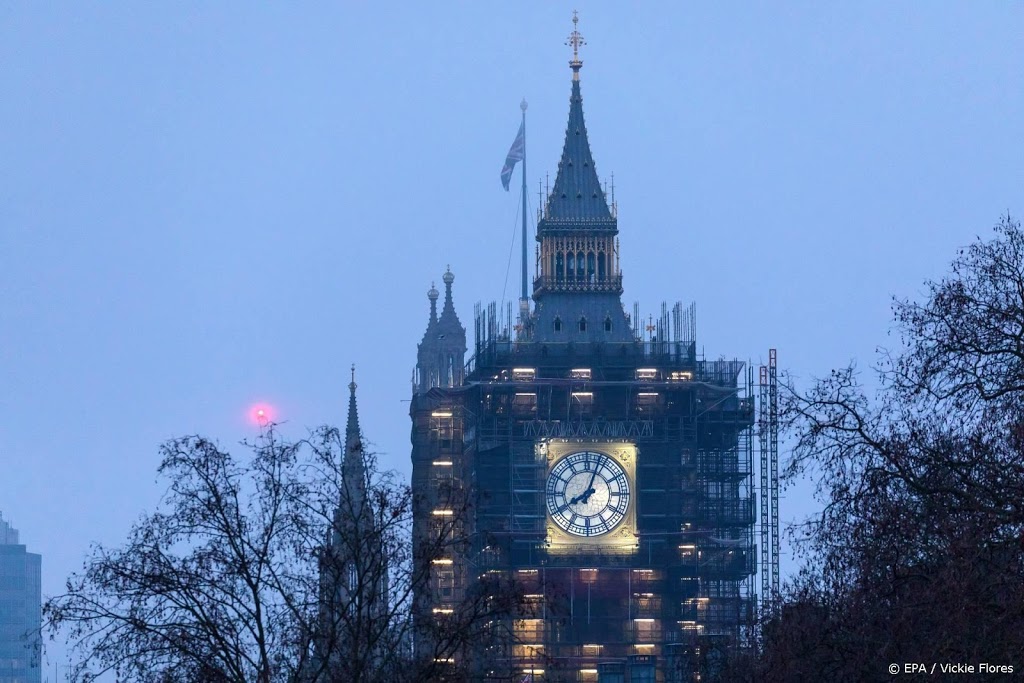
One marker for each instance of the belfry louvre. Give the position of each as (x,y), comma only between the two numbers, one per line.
(606,466)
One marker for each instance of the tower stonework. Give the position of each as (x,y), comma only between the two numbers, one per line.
(441,354)
(607,466)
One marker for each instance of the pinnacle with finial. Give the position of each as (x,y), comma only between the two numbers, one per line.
(576,41)
(352,384)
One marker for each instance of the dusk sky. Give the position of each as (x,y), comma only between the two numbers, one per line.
(208,206)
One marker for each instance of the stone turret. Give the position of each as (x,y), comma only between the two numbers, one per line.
(441,355)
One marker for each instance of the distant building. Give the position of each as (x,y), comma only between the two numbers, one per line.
(20,610)
(607,464)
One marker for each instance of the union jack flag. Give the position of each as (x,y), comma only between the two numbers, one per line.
(515,153)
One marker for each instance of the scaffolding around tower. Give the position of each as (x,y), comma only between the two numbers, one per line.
(679,582)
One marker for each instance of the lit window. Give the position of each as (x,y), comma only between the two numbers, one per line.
(580,373)
(445,580)
(525,402)
(647,399)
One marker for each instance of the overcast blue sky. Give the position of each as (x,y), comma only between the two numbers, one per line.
(203,206)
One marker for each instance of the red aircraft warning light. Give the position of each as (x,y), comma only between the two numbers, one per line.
(262,414)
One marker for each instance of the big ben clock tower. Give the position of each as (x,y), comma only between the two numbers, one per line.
(605,466)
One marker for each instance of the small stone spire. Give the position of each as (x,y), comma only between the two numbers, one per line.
(352,428)
(354,548)
(448,278)
(353,467)
(432,294)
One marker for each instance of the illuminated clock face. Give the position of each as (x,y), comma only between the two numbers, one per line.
(587,493)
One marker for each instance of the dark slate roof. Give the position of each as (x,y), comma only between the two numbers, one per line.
(569,308)
(577,194)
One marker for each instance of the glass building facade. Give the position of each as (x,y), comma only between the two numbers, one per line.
(20,610)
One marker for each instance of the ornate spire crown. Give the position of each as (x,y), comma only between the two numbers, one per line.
(576,41)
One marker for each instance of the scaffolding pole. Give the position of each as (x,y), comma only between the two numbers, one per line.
(768,433)
(773,445)
(766,536)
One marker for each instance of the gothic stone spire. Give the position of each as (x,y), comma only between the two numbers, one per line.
(353,465)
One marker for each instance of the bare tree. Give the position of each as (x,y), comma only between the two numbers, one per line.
(245,573)
(918,554)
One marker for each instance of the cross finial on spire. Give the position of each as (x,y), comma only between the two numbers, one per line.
(352,384)
(576,41)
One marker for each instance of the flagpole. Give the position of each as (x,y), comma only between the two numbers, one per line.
(524,302)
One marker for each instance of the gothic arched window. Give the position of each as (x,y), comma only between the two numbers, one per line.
(558,324)
(583,324)
(570,266)
(600,266)
(608,324)
(581,266)
(590,267)
(559,267)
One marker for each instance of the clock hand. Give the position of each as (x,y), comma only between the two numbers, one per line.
(590,487)
(581,498)
(585,496)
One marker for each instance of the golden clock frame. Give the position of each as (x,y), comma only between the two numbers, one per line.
(619,541)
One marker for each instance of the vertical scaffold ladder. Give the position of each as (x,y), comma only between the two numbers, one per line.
(768,433)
